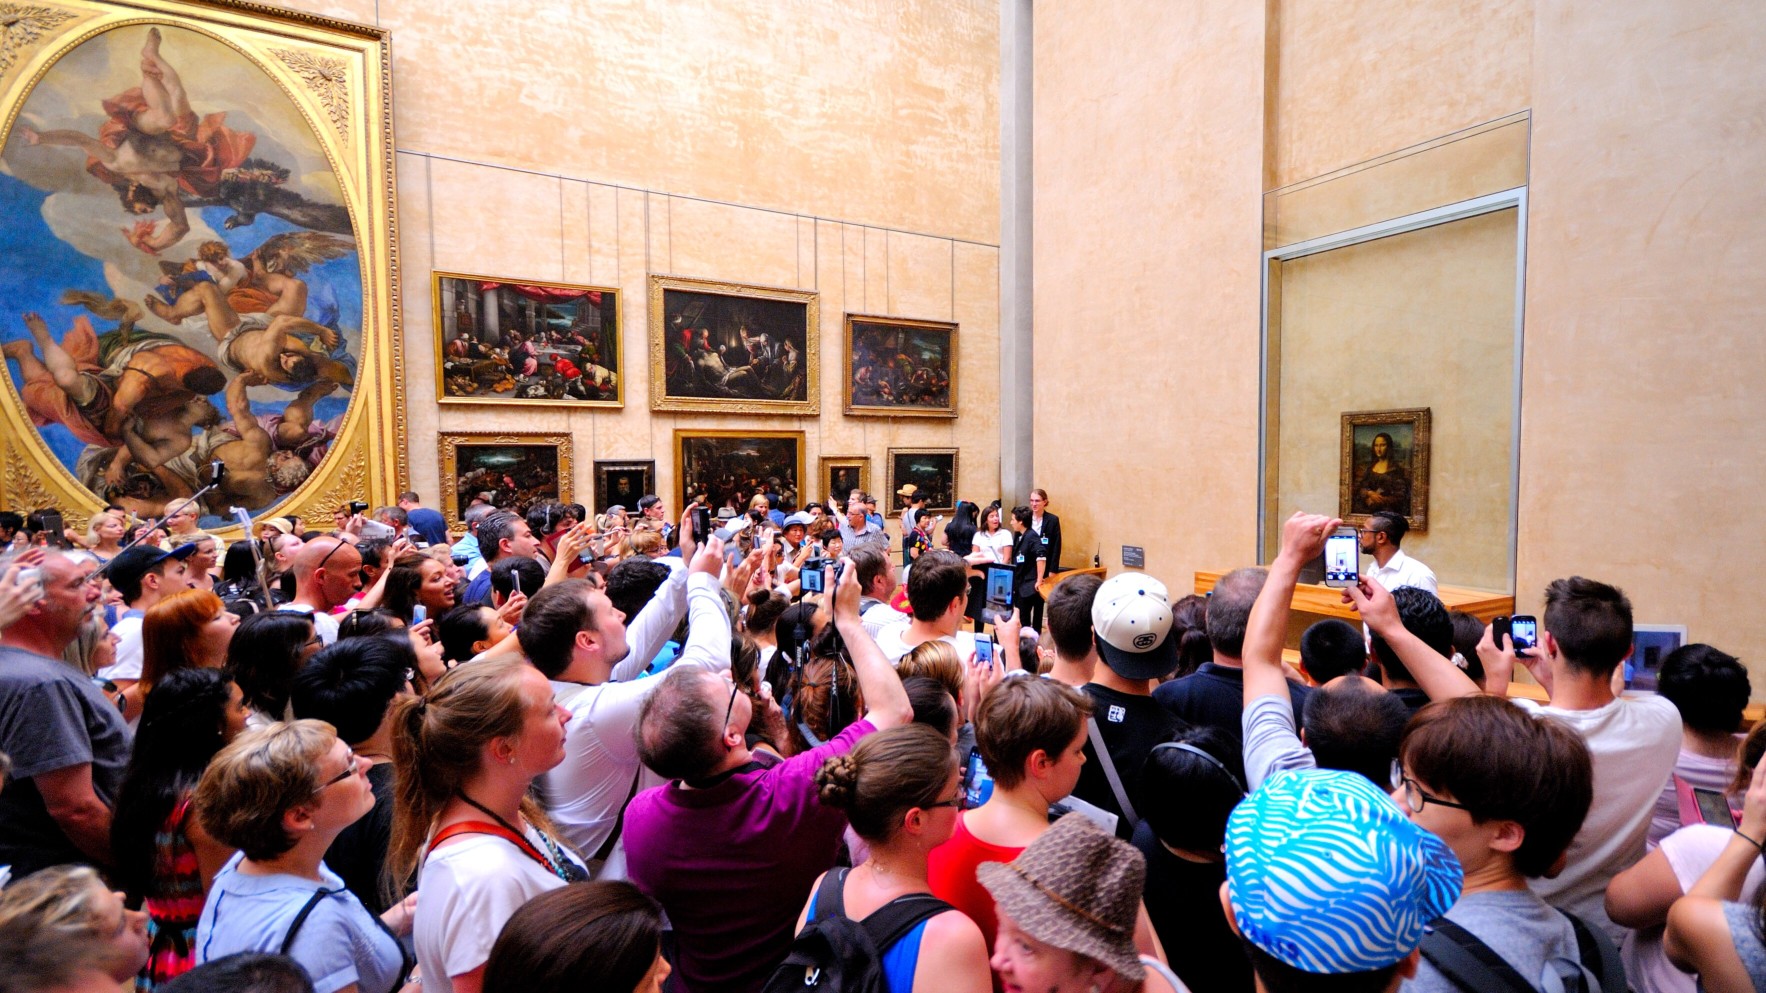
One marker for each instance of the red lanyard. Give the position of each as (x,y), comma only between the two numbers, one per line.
(486,827)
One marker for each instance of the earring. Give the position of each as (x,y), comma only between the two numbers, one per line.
(511,759)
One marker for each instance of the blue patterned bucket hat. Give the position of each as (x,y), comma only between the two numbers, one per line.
(1327,875)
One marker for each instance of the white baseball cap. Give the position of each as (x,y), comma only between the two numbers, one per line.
(1131,617)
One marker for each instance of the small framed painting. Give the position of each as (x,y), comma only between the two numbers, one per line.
(512,471)
(1385,466)
(841,474)
(930,471)
(900,368)
(623,484)
(517,341)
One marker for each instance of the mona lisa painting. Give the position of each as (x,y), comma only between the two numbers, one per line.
(1385,466)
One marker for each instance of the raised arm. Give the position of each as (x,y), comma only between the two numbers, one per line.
(886,702)
(1303,539)
(1434,672)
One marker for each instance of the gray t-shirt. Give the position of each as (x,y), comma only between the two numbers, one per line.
(51,717)
(1517,925)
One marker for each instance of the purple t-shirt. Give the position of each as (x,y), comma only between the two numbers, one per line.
(733,864)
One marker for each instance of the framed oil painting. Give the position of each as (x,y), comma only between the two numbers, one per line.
(900,368)
(513,471)
(841,474)
(517,341)
(730,467)
(1385,466)
(198,229)
(725,348)
(622,483)
(932,471)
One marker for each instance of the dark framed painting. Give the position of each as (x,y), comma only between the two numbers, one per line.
(728,348)
(512,471)
(900,368)
(932,471)
(729,467)
(198,261)
(841,474)
(1385,466)
(622,483)
(518,341)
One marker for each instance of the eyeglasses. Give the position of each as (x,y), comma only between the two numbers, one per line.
(735,688)
(960,801)
(327,557)
(349,769)
(1414,797)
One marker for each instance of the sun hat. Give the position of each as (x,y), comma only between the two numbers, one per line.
(281,524)
(907,490)
(1076,888)
(1327,875)
(1131,615)
(799,519)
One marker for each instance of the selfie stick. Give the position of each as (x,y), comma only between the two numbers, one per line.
(217,468)
(243,516)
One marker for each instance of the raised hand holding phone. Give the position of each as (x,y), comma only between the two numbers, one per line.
(1375,605)
(20,587)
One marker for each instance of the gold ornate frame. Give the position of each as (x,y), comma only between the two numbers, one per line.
(1418,420)
(647,467)
(339,77)
(681,437)
(619,358)
(828,462)
(812,350)
(874,410)
(895,504)
(448,444)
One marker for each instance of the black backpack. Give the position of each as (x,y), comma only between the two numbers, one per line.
(1471,965)
(836,954)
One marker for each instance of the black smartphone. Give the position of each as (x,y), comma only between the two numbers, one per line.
(984,652)
(701,522)
(977,783)
(810,578)
(1523,630)
(1342,558)
(1714,808)
(1499,630)
(53,526)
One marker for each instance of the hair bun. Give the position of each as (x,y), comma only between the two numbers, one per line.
(837,781)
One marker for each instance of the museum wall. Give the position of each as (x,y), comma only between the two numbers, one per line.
(852,151)
(1640,417)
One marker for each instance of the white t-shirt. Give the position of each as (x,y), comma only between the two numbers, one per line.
(586,792)
(470,889)
(1698,770)
(1689,851)
(323,624)
(892,640)
(1634,742)
(1402,570)
(880,616)
(128,654)
(999,543)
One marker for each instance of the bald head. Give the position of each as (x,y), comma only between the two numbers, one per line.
(327,572)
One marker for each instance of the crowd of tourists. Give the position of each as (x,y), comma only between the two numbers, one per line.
(815,749)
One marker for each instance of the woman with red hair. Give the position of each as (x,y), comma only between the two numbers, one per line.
(187,630)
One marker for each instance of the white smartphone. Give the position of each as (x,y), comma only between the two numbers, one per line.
(1342,558)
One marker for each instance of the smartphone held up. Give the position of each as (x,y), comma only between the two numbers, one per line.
(1342,558)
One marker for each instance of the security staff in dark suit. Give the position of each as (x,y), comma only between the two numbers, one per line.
(1047,525)
(1028,569)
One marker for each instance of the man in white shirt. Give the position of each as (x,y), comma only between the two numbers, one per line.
(1634,740)
(877,582)
(144,575)
(327,572)
(573,634)
(1380,538)
(938,593)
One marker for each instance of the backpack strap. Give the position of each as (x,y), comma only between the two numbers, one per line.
(300,919)
(1598,954)
(831,894)
(1467,962)
(891,922)
(1109,766)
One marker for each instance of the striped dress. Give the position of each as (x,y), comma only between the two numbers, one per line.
(174,902)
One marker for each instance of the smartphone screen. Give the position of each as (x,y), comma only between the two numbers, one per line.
(810,579)
(999,586)
(701,522)
(418,613)
(1524,632)
(984,651)
(977,784)
(1342,555)
(1714,807)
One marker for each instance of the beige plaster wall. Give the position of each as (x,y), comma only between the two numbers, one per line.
(1148,156)
(1424,319)
(790,144)
(1641,421)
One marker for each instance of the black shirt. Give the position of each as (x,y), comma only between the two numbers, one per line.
(1027,550)
(360,849)
(1131,726)
(1413,698)
(1214,696)
(1183,902)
